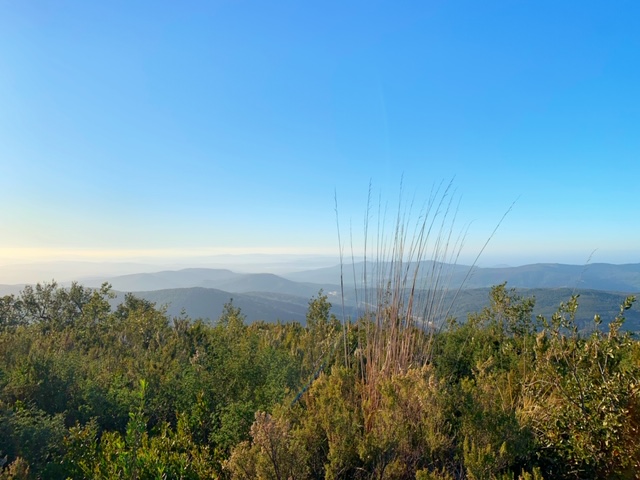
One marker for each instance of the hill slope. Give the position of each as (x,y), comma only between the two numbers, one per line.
(597,276)
(208,303)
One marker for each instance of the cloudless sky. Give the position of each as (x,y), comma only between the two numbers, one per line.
(185,128)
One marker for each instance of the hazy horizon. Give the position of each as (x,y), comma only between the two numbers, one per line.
(78,270)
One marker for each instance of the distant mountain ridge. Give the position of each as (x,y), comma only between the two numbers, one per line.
(220,279)
(206,303)
(596,276)
(285,297)
(168,279)
(202,292)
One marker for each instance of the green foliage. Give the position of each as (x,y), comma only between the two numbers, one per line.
(273,452)
(16,470)
(33,436)
(91,392)
(583,404)
(409,430)
(322,336)
(136,454)
(425,474)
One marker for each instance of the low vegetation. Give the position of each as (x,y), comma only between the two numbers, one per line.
(87,391)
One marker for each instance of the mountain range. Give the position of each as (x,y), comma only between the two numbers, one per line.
(596,276)
(202,292)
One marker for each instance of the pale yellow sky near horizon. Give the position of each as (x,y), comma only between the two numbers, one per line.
(35,254)
(31,265)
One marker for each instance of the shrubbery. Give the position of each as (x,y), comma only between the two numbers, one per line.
(91,392)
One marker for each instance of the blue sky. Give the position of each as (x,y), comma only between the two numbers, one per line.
(180,128)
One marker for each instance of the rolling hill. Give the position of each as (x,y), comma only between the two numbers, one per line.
(202,292)
(597,276)
(219,279)
(208,303)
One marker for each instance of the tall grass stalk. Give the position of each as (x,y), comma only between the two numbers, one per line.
(403,293)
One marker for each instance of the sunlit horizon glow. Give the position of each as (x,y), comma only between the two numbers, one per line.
(20,255)
(490,257)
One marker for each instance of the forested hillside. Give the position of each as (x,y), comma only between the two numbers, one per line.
(88,390)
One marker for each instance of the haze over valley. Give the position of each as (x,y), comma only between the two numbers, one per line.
(203,292)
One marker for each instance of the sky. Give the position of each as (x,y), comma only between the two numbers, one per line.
(133,130)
